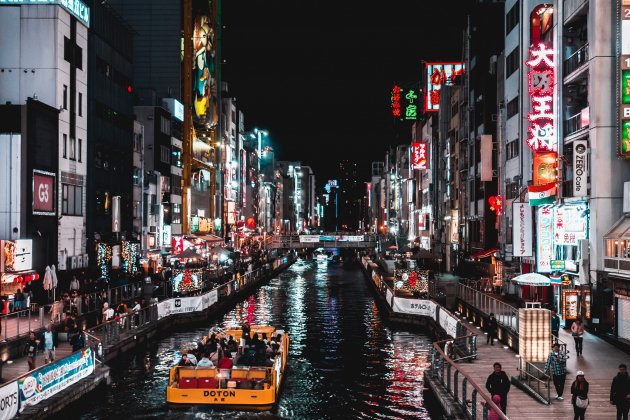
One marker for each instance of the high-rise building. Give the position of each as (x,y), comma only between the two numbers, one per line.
(45,72)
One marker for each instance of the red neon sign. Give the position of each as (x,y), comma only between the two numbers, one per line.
(541,79)
(496,204)
(419,155)
(438,75)
(396,108)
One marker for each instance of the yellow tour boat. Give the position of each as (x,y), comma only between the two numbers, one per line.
(242,387)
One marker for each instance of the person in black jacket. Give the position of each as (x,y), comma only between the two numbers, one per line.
(491,329)
(498,383)
(620,392)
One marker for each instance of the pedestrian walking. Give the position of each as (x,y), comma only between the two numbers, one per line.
(557,366)
(498,383)
(74,284)
(579,399)
(620,392)
(30,350)
(555,325)
(491,329)
(577,331)
(50,344)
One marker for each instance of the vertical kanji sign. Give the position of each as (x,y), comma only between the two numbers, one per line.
(542,132)
(419,155)
(624,93)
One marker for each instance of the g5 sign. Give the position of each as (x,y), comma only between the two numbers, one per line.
(43,193)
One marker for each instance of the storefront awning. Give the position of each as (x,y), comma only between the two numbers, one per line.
(532,279)
(620,230)
(484,254)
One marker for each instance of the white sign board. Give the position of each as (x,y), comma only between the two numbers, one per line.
(9,401)
(415,306)
(448,322)
(522,229)
(309,238)
(179,306)
(580,171)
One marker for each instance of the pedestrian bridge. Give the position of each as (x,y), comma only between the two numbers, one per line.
(323,240)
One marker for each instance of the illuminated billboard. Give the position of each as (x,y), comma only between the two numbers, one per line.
(437,75)
(204,75)
(419,155)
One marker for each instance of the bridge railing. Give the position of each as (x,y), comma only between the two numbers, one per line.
(464,390)
(506,314)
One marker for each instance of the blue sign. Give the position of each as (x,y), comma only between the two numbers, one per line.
(55,377)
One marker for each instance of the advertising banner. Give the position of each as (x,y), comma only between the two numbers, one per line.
(522,229)
(486,157)
(55,377)
(448,322)
(210,298)
(569,224)
(439,74)
(9,401)
(309,238)
(580,171)
(415,306)
(179,306)
(44,193)
(544,253)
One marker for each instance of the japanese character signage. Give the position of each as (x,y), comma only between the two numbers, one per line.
(542,132)
(522,230)
(419,155)
(396,101)
(580,172)
(624,73)
(544,252)
(411,105)
(545,168)
(569,224)
(439,74)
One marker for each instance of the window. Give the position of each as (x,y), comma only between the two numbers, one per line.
(177,213)
(511,150)
(511,190)
(512,108)
(165,125)
(80,104)
(65,97)
(137,144)
(165,154)
(78,57)
(72,200)
(65,146)
(137,176)
(177,157)
(512,18)
(80,150)
(72,148)
(512,62)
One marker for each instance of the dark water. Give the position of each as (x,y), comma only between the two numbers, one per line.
(344,361)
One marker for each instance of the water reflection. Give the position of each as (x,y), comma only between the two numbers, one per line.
(345,362)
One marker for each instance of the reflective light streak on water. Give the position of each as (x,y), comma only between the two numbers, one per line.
(344,361)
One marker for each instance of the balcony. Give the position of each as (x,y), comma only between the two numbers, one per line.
(575,66)
(574,9)
(577,122)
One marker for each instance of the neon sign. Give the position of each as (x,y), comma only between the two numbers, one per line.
(419,155)
(396,106)
(411,109)
(439,74)
(496,204)
(541,85)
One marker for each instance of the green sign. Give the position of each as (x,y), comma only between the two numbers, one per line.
(557,265)
(625,86)
(625,137)
(194,224)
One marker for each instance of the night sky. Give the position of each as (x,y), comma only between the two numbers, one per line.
(318,74)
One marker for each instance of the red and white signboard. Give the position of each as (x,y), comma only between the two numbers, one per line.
(43,193)
(419,155)
(439,74)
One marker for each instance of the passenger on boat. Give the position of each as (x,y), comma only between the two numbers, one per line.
(226,361)
(184,361)
(205,361)
(247,358)
(192,358)
(232,345)
(245,336)
(215,356)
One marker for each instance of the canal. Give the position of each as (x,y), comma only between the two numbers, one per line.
(345,361)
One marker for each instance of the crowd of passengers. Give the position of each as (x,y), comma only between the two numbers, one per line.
(224,353)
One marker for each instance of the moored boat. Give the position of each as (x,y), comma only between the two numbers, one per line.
(243,387)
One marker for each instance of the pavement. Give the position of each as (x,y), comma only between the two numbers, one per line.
(14,368)
(600,361)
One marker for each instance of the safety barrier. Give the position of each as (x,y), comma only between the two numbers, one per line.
(506,315)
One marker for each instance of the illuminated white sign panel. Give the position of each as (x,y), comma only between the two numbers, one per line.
(79,9)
